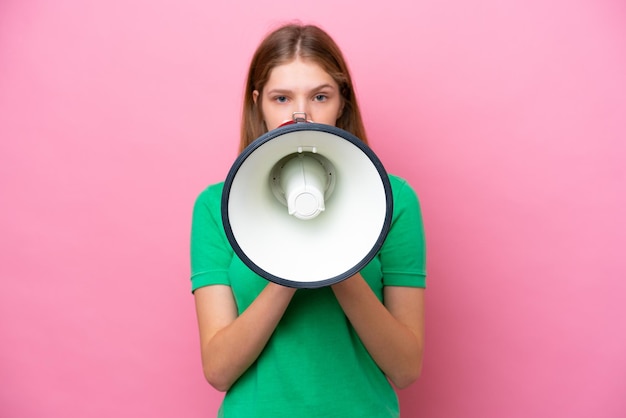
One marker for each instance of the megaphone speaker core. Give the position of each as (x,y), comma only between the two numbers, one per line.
(303,181)
(306,205)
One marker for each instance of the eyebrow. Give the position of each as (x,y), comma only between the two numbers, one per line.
(286,91)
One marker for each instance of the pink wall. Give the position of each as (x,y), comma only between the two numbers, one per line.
(507,117)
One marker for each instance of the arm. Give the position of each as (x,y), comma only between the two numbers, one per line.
(393,333)
(231,343)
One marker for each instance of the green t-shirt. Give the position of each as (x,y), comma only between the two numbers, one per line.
(314,365)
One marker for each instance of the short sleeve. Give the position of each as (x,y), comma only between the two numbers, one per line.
(211,254)
(403,255)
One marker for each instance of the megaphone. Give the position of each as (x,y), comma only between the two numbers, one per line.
(307,205)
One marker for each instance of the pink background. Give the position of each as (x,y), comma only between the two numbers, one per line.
(507,118)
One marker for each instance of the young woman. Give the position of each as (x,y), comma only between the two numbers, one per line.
(336,351)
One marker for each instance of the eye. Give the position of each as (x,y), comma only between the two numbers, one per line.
(280,99)
(320,98)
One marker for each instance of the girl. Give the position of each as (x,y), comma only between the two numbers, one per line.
(336,351)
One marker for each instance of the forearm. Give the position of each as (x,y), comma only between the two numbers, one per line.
(229,352)
(394,342)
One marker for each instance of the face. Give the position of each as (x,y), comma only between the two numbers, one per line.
(299,86)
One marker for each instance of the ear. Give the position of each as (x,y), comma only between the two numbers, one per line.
(255,96)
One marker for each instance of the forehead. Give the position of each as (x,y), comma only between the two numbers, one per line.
(299,73)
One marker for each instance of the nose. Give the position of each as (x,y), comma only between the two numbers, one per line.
(303,109)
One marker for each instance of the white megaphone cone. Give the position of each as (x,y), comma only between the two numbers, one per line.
(307,205)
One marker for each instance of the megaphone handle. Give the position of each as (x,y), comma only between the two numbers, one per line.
(299,117)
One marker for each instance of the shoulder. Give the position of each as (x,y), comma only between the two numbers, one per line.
(209,201)
(212,192)
(397,181)
(211,195)
(401,188)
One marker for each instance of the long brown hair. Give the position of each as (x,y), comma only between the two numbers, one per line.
(282,46)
